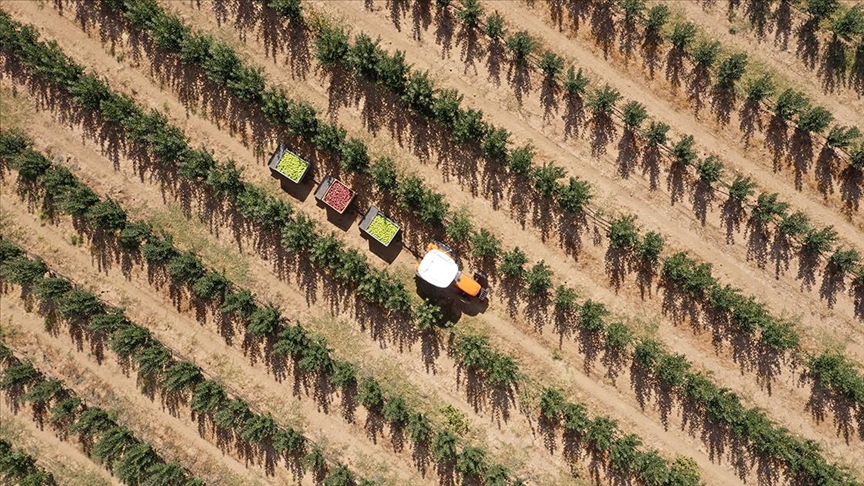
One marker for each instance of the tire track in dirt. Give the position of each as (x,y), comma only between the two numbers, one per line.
(108,387)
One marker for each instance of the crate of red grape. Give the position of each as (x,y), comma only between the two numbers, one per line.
(334,193)
(289,165)
(378,226)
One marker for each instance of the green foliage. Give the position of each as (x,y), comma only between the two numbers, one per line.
(574,196)
(656,134)
(239,303)
(290,9)
(731,70)
(494,145)
(127,341)
(769,208)
(656,19)
(395,412)
(355,158)
(329,138)
(759,89)
(259,429)
(107,216)
(23,271)
(471,462)
(647,353)
(575,419)
(682,35)
(650,247)
(233,415)
(185,268)
(369,395)
(444,447)
(601,434)
(460,228)
(821,9)
(856,158)
(623,233)
(538,279)
(694,278)
(575,83)
(472,352)
(264,321)
(469,126)
(331,46)
(289,441)
(552,65)
(471,13)
(790,103)
(633,10)
(495,26)
(819,242)
(634,113)
(384,174)
(211,286)
(79,305)
(794,225)
(710,170)
(552,405)
(513,263)
(134,234)
(208,397)
(623,455)
(136,464)
(50,290)
(618,336)
(741,188)
(591,316)
(834,371)
(447,106)
(545,178)
(112,444)
(182,377)
(521,46)
(520,159)
(849,24)
(815,120)
(419,428)
(339,476)
(844,260)
(683,151)
(684,472)
(565,300)
(364,56)
(420,93)
(842,137)
(602,101)
(705,54)
(484,245)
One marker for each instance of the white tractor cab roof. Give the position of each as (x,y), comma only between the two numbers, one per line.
(438,268)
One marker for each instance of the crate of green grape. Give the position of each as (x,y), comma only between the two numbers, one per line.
(285,163)
(378,226)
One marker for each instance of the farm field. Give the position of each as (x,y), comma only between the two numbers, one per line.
(663,199)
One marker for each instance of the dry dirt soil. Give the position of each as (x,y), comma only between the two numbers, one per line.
(430,383)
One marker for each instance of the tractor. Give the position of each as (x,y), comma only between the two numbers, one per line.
(439,269)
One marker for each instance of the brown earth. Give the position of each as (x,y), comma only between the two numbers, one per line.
(354,124)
